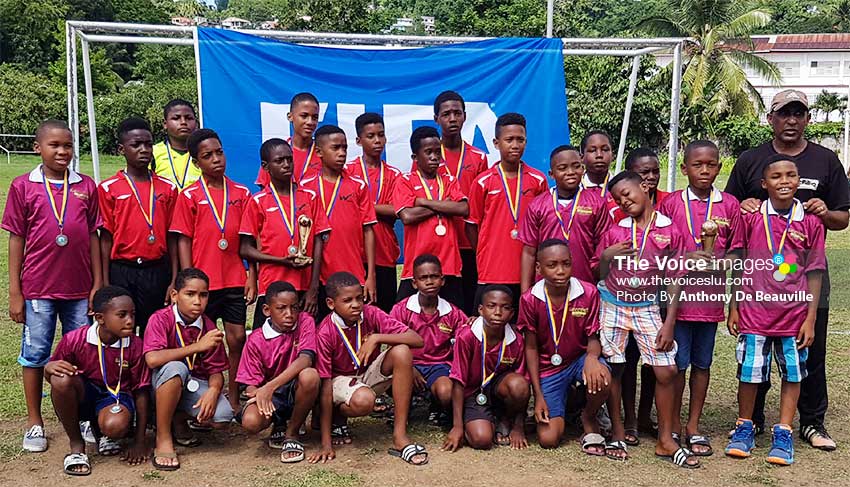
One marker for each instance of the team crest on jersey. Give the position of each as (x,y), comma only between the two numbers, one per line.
(124,365)
(720,221)
(444,327)
(797,235)
(80,194)
(579,312)
(584,210)
(508,360)
(661,238)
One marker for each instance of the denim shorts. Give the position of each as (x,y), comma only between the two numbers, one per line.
(40,326)
(223,411)
(695,342)
(557,386)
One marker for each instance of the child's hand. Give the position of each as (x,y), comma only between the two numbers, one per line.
(622,248)
(311,301)
(806,335)
(136,454)
(168,293)
(664,340)
(262,396)
(366,350)
(326,454)
(541,410)
(454,439)
(250,291)
(289,261)
(816,207)
(16,307)
(419,382)
(60,368)
(750,205)
(212,339)
(206,405)
(699,255)
(732,322)
(517,437)
(371,290)
(596,376)
(90,311)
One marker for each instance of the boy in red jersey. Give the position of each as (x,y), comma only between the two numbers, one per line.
(380,178)
(270,231)
(464,162)
(304,116)
(426,199)
(350,213)
(498,201)
(207,219)
(137,251)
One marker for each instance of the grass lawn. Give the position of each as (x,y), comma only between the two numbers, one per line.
(244,462)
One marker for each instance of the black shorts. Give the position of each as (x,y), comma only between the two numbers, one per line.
(146,282)
(385,282)
(493,410)
(227,304)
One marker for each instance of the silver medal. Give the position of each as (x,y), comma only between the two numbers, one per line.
(440,229)
(115,409)
(778,276)
(192,385)
(292,250)
(481,399)
(61,240)
(634,282)
(151,239)
(514,234)
(222,244)
(556,360)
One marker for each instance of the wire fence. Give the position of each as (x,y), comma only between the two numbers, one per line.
(12,144)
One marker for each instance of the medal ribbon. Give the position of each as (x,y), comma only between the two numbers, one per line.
(550,308)
(289,222)
(181,183)
(189,362)
(428,193)
(645,235)
(485,379)
(151,200)
(352,350)
(695,233)
(565,229)
(768,229)
(307,160)
(329,207)
(59,213)
(101,356)
(513,204)
(460,159)
(366,177)
(220,218)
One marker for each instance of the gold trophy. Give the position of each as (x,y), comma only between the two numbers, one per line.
(708,235)
(305,224)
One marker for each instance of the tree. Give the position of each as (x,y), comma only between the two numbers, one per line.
(829,102)
(189,8)
(840,16)
(714,83)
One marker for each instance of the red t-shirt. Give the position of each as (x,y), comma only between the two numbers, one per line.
(350,211)
(79,348)
(333,358)
(726,213)
(775,308)
(474,163)
(263,221)
(161,334)
(268,353)
(420,238)
(299,172)
(125,220)
(498,254)
(466,363)
(193,218)
(381,191)
(582,322)
(437,330)
(589,224)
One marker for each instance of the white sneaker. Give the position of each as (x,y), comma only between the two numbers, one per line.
(88,434)
(34,439)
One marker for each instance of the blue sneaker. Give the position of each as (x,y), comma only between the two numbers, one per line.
(782,449)
(743,440)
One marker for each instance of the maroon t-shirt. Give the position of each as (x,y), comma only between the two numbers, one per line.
(437,330)
(268,352)
(79,348)
(161,334)
(466,364)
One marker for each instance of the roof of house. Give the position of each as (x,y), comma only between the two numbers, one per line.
(801,42)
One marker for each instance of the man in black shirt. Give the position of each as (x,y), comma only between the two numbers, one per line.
(825,192)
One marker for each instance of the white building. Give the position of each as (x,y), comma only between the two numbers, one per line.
(235,23)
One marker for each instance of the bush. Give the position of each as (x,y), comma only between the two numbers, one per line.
(28,99)
(817,131)
(738,134)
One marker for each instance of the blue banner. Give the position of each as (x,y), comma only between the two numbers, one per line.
(247,83)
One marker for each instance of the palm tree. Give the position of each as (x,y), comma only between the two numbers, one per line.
(190,8)
(714,82)
(830,102)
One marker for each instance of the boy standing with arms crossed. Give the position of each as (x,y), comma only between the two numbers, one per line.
(52,218)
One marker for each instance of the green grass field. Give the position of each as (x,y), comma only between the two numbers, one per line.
(720,408)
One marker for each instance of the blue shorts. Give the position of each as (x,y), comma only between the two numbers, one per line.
(695,342)
(433,372)
(755,351)
(556,386)
(40,326)
(97,397)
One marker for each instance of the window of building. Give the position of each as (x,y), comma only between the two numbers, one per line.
(788,69)
(824,68)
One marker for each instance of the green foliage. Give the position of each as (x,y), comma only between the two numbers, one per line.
(155,62)
(828,102)
(36,97)
(796,17)
(817,131)
(738,134)
(597,88)
(26,32)
(522,18)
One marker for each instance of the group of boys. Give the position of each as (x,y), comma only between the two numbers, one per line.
(496,303)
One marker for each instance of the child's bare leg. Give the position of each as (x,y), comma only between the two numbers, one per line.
(252,421)
(305,396)
(628,391)
(360,404)
(746,399)
(678,393)
(33,379)
(788,402)
(664,403)
(66,394)
(514,392)
(699,390)
(647,396)
(479,434)
(235,336)
(114,425)
(441,389)
(167,397)
(399,363)
(614,398)
(549,434)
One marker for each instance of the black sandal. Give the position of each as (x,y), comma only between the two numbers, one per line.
(617,445)
(680,458)
(341,433)
(292,446)
(407,453)
(632,437)
(700,440)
